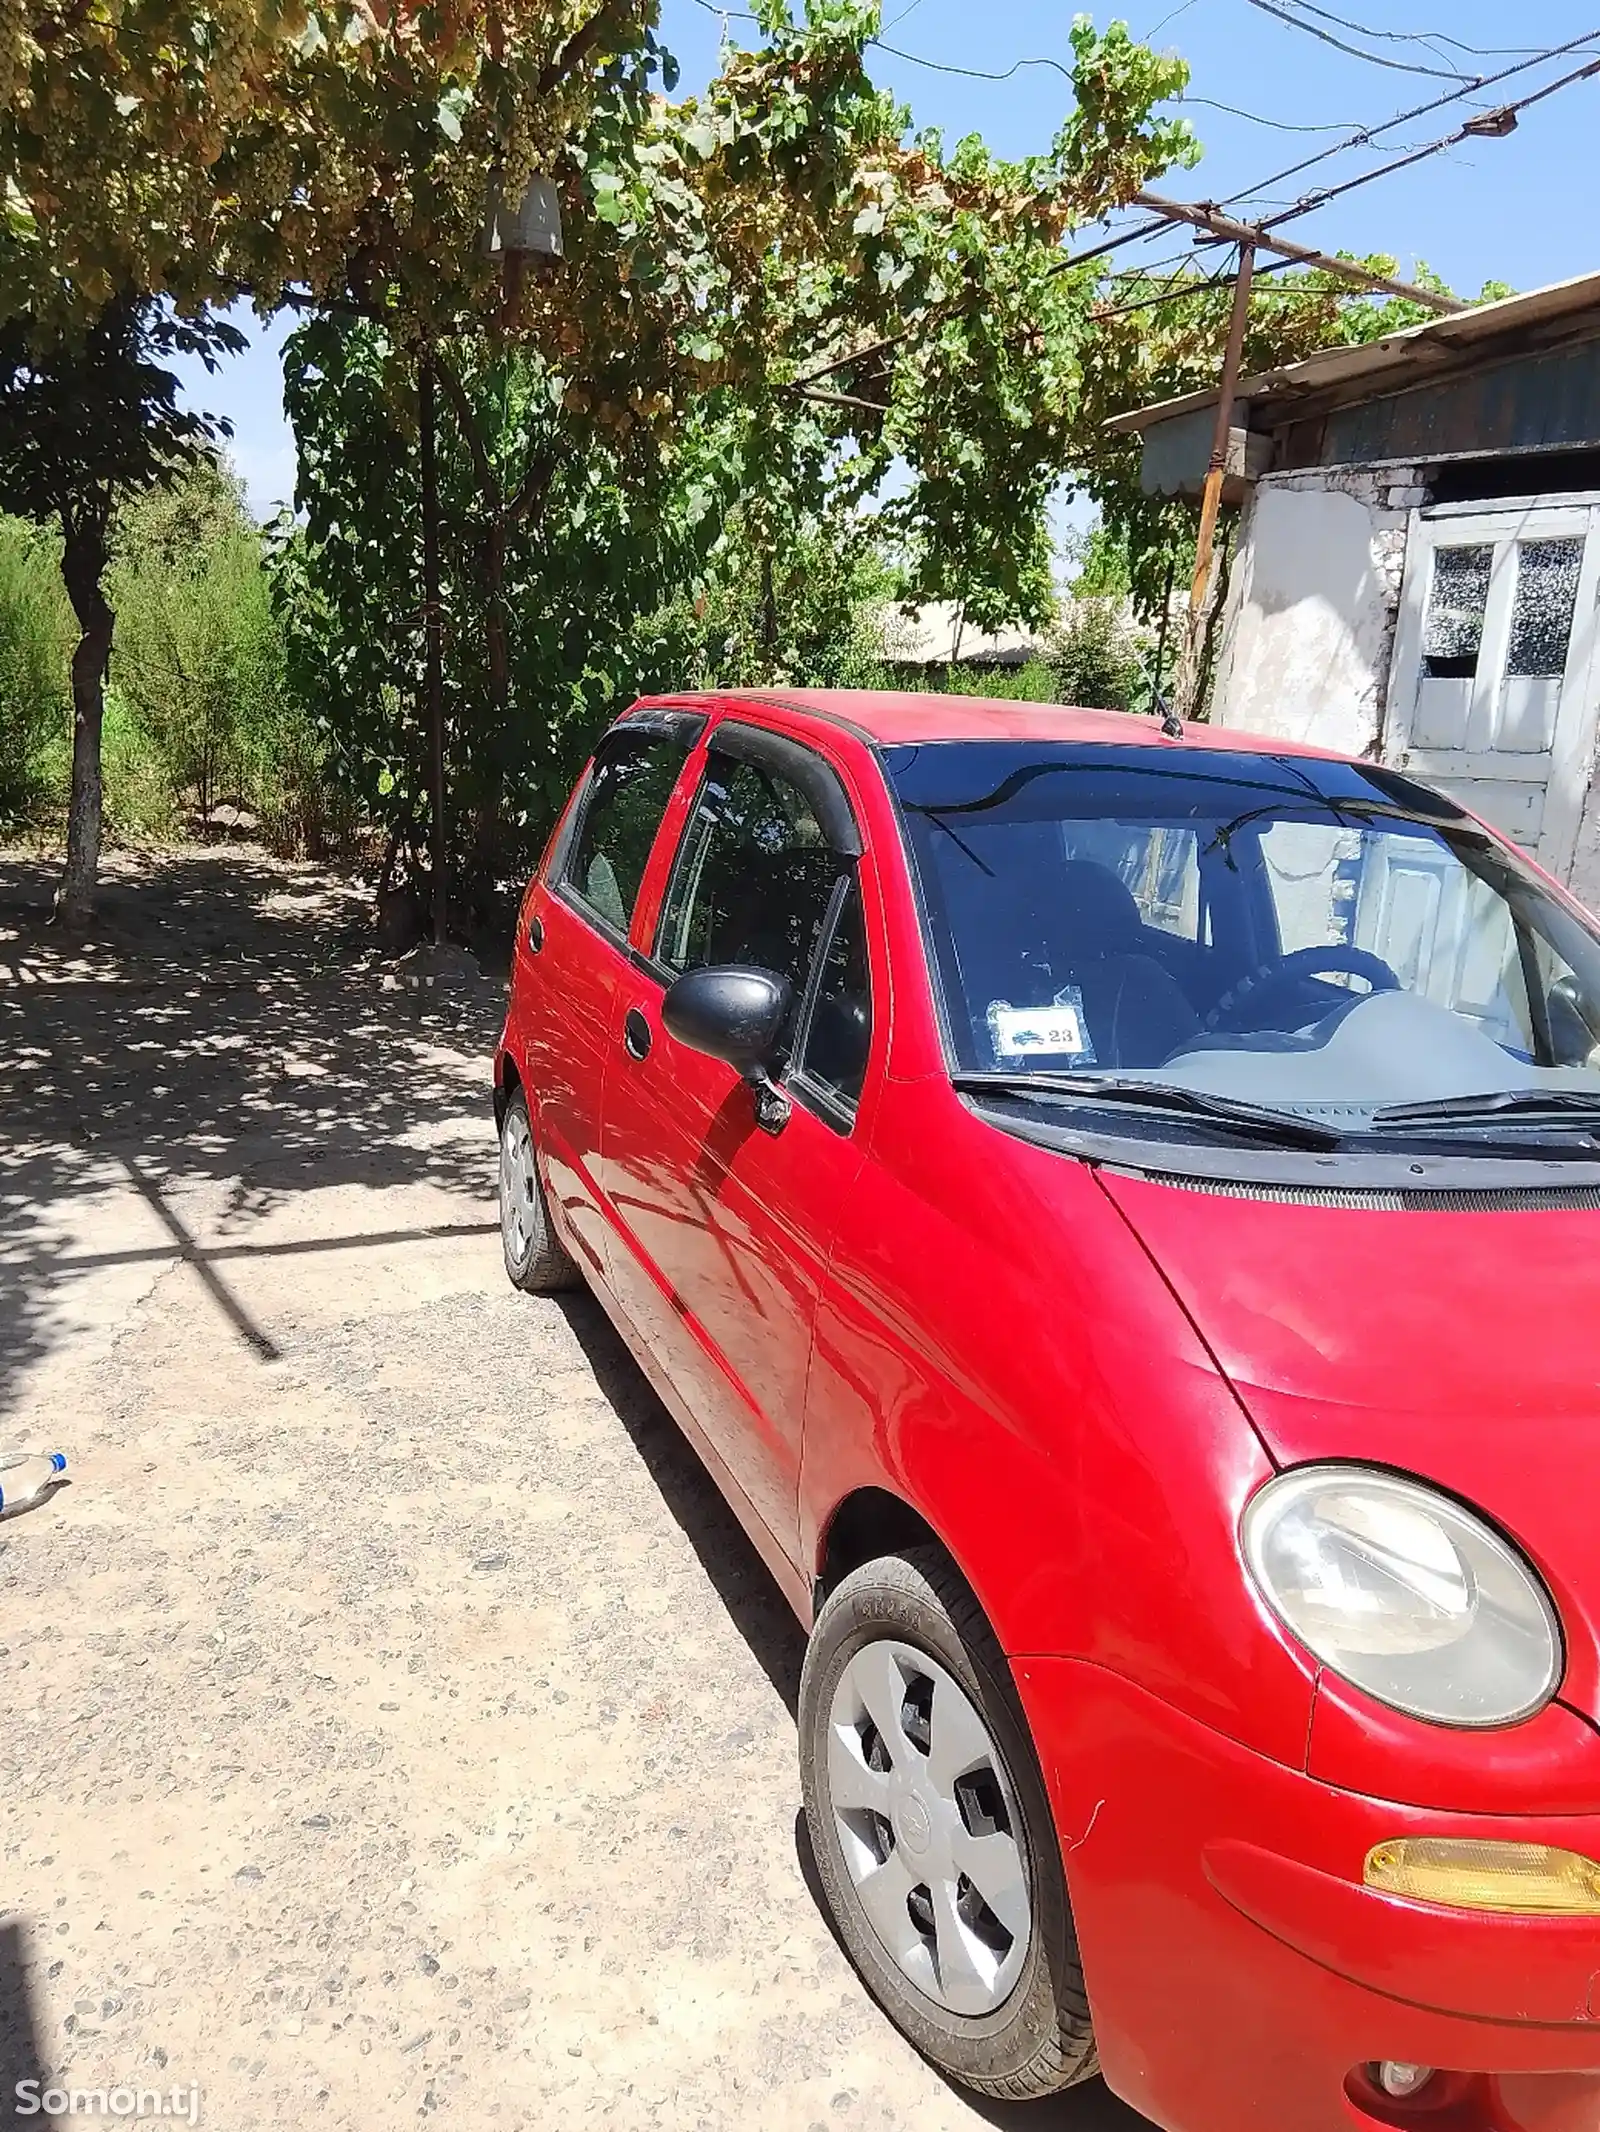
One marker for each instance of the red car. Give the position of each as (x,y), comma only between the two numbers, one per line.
(1116,1214)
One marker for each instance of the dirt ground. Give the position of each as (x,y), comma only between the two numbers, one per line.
(396,1724)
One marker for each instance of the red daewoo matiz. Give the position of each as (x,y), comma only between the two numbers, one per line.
(1117,1216)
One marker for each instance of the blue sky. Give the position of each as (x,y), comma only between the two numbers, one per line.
(1509,210)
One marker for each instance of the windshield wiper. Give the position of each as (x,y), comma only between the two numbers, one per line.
(1532,1105)
(1254,1118)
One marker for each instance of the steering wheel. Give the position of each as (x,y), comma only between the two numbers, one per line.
(1330,961)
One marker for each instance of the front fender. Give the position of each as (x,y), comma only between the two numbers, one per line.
(995,1347)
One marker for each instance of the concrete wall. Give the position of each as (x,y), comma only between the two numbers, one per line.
(1309,625)
(1584,876)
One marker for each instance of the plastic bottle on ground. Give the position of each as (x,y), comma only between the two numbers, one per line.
(25,1475)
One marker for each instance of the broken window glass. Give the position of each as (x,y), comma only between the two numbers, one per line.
(1547,595)
(1456,601)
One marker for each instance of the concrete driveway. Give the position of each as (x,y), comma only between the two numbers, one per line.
(396,1723)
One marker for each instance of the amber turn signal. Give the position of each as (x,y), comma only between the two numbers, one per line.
(1526,1878)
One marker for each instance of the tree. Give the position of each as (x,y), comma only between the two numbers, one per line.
(723,246)
(931,326)
(739,263)
(622,523)
(85,426)
(194,147)
(194,150)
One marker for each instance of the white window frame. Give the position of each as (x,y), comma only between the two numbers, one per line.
(1501,527)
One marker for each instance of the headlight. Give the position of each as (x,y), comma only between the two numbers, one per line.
(1404,1594)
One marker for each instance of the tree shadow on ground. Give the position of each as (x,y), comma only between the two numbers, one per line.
(745,1586)
(762,1616)
(225,1022)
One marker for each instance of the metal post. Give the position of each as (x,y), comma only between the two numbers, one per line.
(1188,688)
(1211,504)
(432,624)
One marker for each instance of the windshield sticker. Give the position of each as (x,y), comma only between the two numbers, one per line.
(1058,1031)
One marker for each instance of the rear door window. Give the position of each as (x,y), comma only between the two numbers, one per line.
(632,780)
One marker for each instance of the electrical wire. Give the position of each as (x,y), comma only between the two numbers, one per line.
(940,66)
(1171,16)
(1368,135)
(1174,287)
(1426,37)
(1308,203)
(1213,282)
(1166,296)
(1312,201)
(1375,59)
(1256,118)
(1160,266)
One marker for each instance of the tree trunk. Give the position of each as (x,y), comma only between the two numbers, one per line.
(769,611)
(433,633)
(496,646)
(83,564)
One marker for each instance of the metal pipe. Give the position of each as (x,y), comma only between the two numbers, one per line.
(1211,503)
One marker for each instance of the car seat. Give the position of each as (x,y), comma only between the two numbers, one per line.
(1136,1011)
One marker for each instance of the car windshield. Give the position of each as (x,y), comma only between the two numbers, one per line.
(1325,939)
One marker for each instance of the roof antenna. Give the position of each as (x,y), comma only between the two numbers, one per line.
(1171,723)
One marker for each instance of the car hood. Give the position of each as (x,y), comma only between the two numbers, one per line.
(1463,1347)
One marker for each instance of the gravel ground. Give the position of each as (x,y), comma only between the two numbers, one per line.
(397,1724)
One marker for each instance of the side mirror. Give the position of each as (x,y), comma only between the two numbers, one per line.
(1572,1041)
(736,1015)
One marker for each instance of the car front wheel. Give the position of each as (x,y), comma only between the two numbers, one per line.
(932,1833)
(536,1259)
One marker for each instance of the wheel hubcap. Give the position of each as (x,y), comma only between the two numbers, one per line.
(929,1827)
(518,1187)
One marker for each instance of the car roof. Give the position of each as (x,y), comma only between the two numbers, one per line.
(901,716)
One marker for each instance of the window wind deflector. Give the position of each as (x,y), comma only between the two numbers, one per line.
(682,728)
(1258,1120)
(804,769)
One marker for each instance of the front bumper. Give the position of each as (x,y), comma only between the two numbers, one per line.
(1239,1972)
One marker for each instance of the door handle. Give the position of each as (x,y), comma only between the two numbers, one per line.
(535,934)
(636,1038)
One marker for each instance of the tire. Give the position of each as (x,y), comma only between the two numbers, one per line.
(995,2001)
(536,1260)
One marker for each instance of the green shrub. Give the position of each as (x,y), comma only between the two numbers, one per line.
(1097,657)
(36,639)
(1034,682)
(196,656)
(138,798)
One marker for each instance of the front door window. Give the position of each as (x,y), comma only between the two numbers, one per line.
(753,877)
